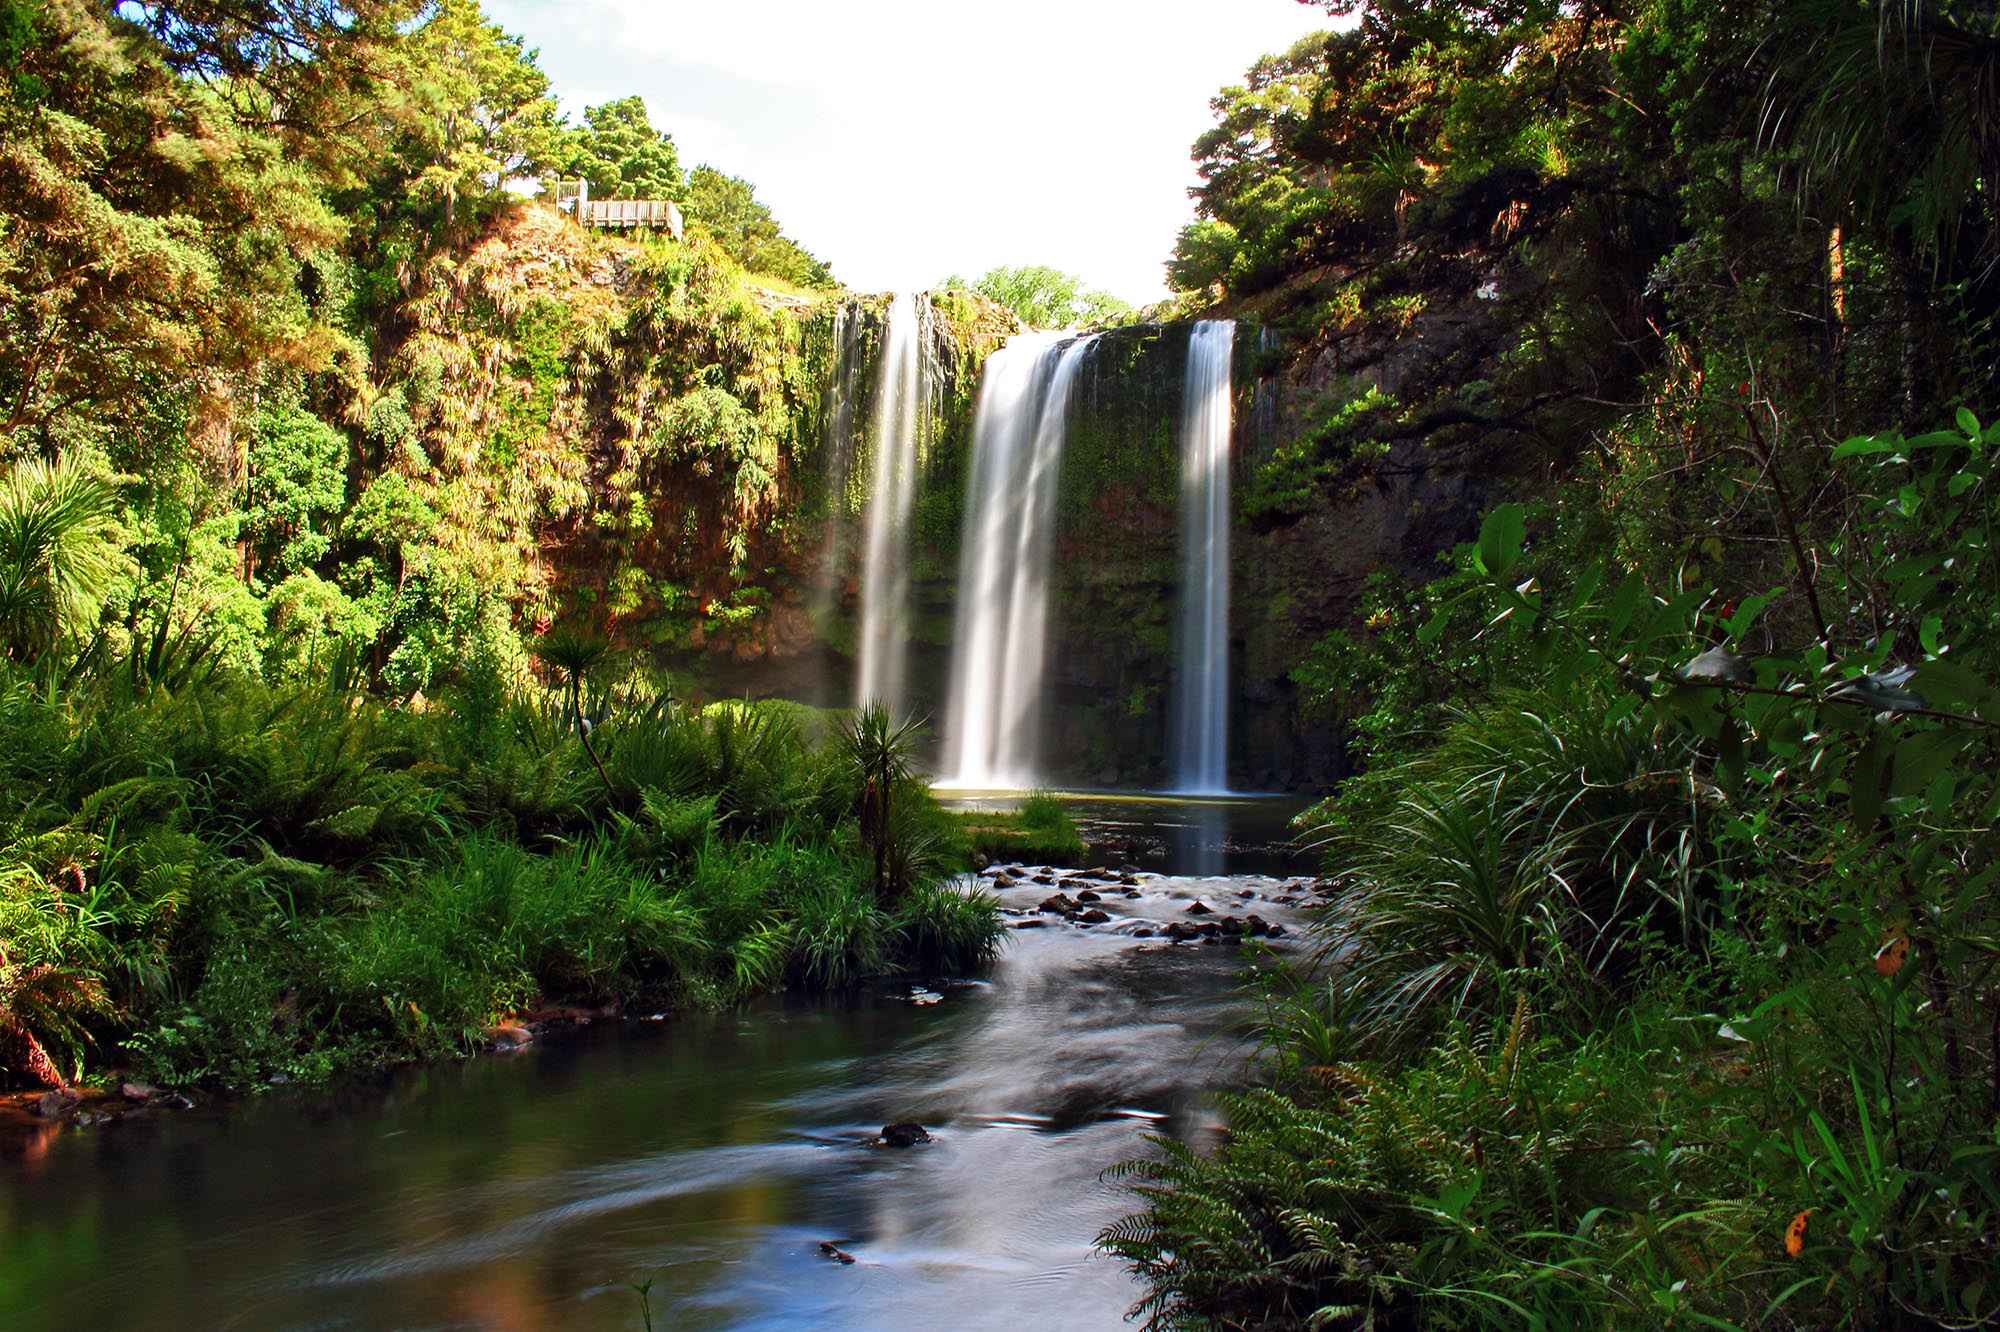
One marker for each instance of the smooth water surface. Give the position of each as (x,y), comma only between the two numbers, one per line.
(712,1154)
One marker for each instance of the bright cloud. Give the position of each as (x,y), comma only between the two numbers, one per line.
(903,141)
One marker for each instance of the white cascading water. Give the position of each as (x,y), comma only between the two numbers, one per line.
(901,400)
(1201,736)
(993,715)
(837,450)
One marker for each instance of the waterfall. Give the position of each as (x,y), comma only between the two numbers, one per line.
(993,716)
(901,400)
(1201,736)
(837,449)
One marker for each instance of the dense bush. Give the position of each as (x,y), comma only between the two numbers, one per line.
(229,880)
(1661,993)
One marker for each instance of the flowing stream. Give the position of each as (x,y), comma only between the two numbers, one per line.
(711,1155)
(1201,734)
(1000,645)
(901,401)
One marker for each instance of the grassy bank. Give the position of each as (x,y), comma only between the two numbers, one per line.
(1040,830)
(224,881)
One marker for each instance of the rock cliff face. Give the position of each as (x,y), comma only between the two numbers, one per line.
(681,457)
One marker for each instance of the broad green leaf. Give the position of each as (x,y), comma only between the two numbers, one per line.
(1862,445)
(1501,537)
(1968,423)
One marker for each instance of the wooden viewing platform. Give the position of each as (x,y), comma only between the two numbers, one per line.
(573,197)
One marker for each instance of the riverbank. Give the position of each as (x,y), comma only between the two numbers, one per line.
(226,885)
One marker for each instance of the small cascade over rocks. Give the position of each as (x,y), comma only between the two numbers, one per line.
(901,411)
(1201,734)
(1000,643)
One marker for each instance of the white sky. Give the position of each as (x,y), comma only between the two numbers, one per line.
(906,140)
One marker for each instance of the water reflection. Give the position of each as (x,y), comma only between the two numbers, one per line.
(714,1154)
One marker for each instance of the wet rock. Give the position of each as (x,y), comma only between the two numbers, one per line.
(1046,878)
(172,1101)
(137,1091)
(923,998)
(828,1249)
(1182,932)
(54,1105)
(1059,905)
(1031,923)
(1200,908)
(906,1133)
(1133,892)
(1246,892)
(1129,880)
(1276,931)
(509,1036)
(1088,896)
(1143,932)
(1093,916)
(1254,926)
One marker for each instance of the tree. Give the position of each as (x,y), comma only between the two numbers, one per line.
(1044,297)
(624,157)
(484,112)
(727,208)
(298,482)
(150,234)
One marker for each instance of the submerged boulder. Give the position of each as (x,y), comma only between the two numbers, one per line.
(907,1133)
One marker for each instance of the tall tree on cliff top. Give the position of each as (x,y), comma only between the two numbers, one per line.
(485,109)
(728,209)
(624,157)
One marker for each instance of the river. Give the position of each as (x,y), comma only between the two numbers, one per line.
(710,1155)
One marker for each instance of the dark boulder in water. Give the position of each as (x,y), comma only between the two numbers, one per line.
(908,1133)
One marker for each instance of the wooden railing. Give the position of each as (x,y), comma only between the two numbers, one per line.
(624,213)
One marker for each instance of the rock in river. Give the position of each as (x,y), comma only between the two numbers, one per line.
(908,1133)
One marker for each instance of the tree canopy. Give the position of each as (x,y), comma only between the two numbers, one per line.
(1044,297)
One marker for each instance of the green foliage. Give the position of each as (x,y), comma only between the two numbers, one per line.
(624,157)
(1042,297)
(726,207)
(298,483)
(60,547)
(1678,933)
(1040,830)
(227,880)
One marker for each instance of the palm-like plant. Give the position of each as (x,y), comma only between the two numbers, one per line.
(60,547)
(1889,111)
(878,751)
(573,654)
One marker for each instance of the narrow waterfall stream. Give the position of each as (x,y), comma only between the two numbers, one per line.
(1201,734)
(1000,646)
(709,1154)
(837,450)
(901,403)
